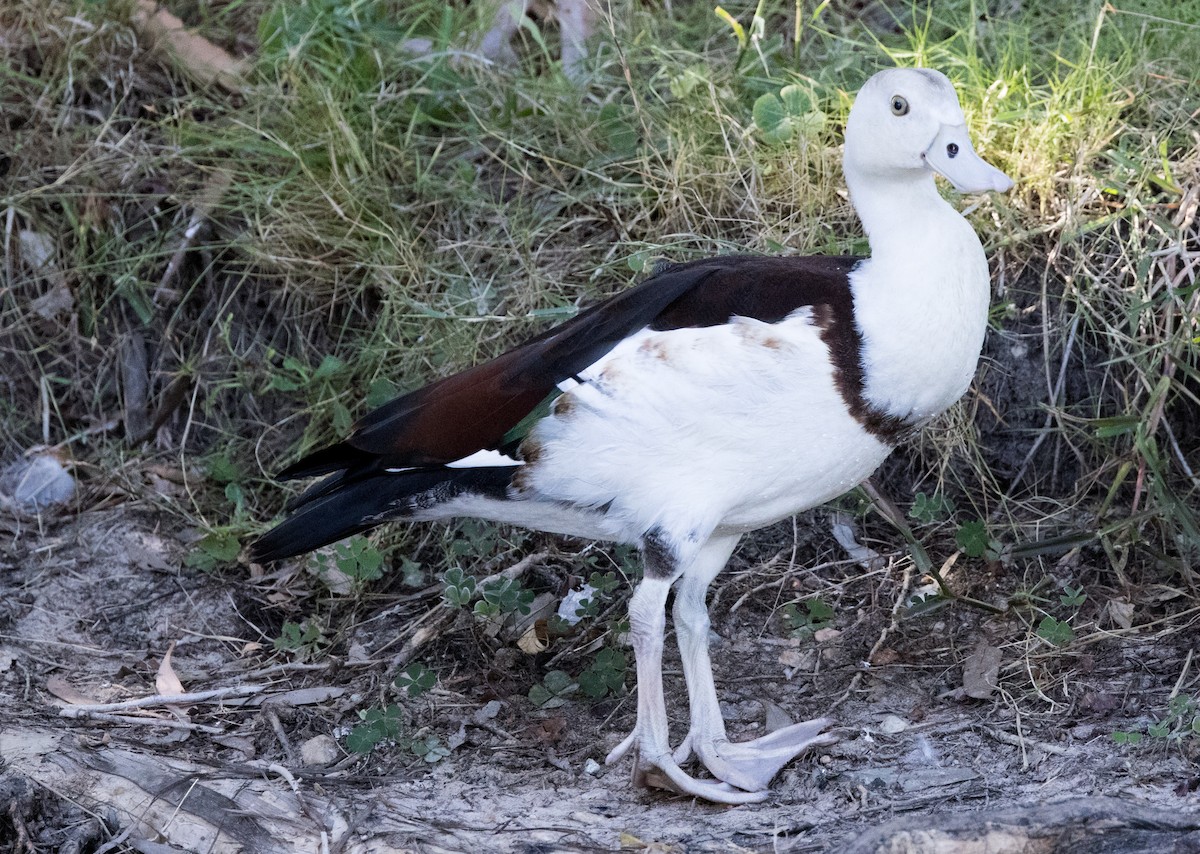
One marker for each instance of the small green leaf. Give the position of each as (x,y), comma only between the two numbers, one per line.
(329,367)
(484,608)
(607,673)
(215,547)
(380,391)
(683,84)
(416,679)
(342,419)
(1180,705)
(802,624)
(1072,597)
(363,738)
(1122,737)
(972,538)
(430,749)
(359,559)
(796,100)
(553,690)
(770,117)
(604,582)
(460,588)
(1055,632)
(929,509)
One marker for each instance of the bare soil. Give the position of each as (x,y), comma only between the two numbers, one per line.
(90,603)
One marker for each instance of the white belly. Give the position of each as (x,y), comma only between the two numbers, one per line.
(694,430)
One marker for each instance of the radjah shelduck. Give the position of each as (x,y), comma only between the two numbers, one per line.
(714,398)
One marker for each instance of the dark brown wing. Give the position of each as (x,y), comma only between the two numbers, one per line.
(473,410)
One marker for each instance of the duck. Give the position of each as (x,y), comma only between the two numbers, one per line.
(714,398)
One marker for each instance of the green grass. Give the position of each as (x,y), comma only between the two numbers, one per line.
(392,217)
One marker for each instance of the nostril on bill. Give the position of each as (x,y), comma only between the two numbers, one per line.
(952,150)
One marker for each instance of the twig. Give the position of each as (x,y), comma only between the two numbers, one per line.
(164,700)
(280,734)
(18,821)
(901,598)
(296,666)
(1183,672)
(89,714)
(1017,741)
(209,198)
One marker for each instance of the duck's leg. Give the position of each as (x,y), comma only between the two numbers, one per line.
(748,765)
(649,739)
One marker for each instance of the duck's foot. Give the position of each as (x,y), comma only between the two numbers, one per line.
(654,766)
(751,765)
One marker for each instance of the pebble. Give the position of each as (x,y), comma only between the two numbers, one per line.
(319,750)
(37,483)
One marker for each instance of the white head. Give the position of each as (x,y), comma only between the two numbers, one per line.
(906,123)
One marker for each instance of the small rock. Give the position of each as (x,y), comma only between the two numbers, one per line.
(319,750)
(893,724)
(777,718)
(591,767)
(1083,732)
(37,483)
(489,711)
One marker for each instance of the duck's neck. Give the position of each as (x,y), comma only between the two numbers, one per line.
(921,300)
(896,207)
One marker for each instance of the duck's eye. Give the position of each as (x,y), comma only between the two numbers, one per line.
(899,106)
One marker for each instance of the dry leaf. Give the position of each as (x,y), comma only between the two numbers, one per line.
(195,54)
(551,730)
(981,671)
(165,680)
(884,657)
(58,300)
(64,690)
(535,639)
(823,635)
(793,658)
(1121,613)
(843,530)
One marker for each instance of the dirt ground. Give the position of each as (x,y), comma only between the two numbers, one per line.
(90,603)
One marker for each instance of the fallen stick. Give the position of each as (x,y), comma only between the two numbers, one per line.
(87,714)
(163,700)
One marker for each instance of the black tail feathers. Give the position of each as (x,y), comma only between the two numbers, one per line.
(345,504)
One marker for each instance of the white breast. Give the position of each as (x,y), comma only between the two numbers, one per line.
(922,306)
